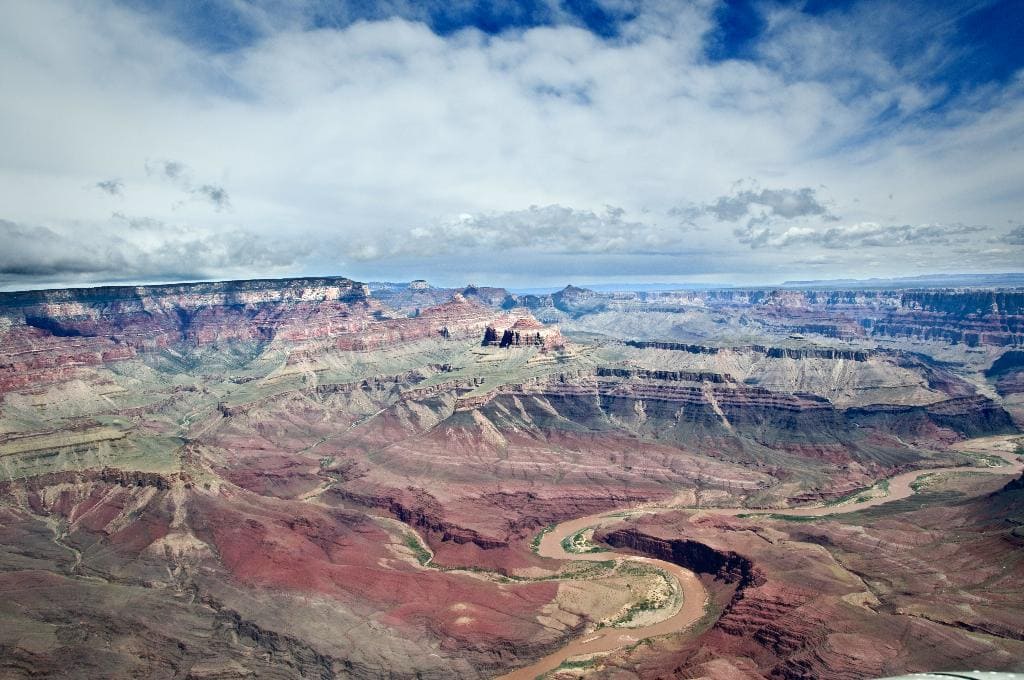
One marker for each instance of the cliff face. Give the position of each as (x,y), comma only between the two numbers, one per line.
(46,335)
(247,460)
(771,352)
(964,317)
(522,332)
(853,597)
(1008,373)
(150,316)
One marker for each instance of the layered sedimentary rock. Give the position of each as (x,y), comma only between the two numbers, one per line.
(968,317)
(523,332)
(285,478)
(48,334)
(857,597)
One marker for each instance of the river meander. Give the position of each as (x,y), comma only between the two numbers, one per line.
(693,592)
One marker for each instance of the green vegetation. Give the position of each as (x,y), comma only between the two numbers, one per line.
(797,518)
(570,664)
(579,544)
(589,571)
(535,543)
(422,555)
(987,459)
(627,568)
(643,605)
(922,482)
(712,612)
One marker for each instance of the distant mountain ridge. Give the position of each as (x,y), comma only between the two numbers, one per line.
(920,281)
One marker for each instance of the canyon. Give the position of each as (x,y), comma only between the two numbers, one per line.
(320,478)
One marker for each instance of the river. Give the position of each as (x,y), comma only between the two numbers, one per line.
(693,592)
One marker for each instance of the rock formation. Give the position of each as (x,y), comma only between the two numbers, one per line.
(298,479)
(523,332)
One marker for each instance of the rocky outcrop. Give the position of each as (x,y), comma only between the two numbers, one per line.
(50,334)
(578,300)
(973,416)
(726,566)
(669,376)
(970,317)
(1008,373)
(771,352)
(837,599)
(1015,485)
(672,346)
(107,475)
(523,332)
(423,512)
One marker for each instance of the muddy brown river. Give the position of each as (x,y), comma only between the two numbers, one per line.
(693,591)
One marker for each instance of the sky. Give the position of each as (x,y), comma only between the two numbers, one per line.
(528,143)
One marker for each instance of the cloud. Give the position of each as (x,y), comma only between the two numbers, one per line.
(139,223)
(114,187)
(362,128)
(548,229)
(180,175)
(216,195)
(863,235)
(767,204)
(1015,237)
(172,170)
(153,251)
(758,209)
(34,251)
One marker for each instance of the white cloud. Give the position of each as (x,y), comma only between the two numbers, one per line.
(864,235)
(364,140)
(549,229)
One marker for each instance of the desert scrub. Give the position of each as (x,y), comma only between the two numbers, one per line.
(590,570)
(643,605)
(712,612)
(862,495)
(922,482)
(663,593)
(630,568)
(579,543)
(576,664)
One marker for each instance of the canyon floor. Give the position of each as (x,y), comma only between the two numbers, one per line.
(306,478)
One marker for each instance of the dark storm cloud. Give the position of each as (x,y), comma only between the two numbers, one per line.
(32,251)
(163,251)
(114,187)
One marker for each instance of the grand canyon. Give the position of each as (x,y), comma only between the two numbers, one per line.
(322,478)
(511,340)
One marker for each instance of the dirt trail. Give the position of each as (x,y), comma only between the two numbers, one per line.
(694,593)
